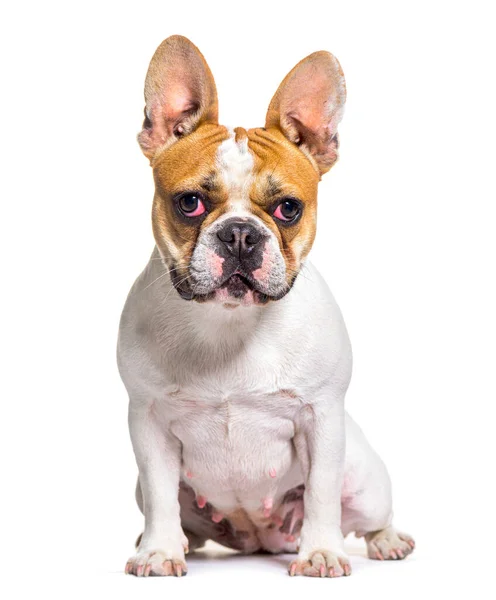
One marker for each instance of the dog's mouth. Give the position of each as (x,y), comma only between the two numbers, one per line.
(236,289)
(237,285)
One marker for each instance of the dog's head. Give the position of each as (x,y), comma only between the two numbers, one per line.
(234,211)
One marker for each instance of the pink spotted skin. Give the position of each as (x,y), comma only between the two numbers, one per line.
(267,506)
(277,532)
(263,273)
(214,262)
(223,297)
(268,503)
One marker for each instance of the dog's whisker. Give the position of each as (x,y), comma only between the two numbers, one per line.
(297,273)
(155,280)
(175,285)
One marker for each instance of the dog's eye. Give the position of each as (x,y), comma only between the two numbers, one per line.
(191,205)
(287,210)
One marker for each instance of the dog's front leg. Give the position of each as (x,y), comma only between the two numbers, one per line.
(320,445)
(158,454)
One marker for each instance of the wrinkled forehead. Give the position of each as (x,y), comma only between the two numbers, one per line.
(236,166)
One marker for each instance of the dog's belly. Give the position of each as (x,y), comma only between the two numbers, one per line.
(240,478)
(243,530)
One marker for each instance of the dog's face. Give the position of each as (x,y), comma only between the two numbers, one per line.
(234,211)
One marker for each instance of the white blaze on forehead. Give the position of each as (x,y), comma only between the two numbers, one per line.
(235,163)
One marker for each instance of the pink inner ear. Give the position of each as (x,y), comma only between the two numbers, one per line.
(165,114)
(308,100)
(311,118)
(179,101)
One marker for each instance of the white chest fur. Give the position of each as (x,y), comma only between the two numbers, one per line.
(236,448)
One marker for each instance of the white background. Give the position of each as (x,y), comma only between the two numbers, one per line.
(406,240)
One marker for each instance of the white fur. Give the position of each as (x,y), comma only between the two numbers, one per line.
(208,394)
(235,163)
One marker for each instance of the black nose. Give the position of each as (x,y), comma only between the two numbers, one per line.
(239,237)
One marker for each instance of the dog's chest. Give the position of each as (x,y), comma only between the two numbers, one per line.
(237,443)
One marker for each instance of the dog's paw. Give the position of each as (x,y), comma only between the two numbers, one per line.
(155,562)
(321,563)
(389,544)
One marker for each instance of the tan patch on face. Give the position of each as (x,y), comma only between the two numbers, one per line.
(281,171)
(187,165)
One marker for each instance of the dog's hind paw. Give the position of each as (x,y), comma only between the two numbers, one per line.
(389,544)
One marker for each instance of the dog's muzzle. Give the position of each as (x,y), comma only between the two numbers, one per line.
(239,258)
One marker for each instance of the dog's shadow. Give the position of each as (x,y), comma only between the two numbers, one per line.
(279,563)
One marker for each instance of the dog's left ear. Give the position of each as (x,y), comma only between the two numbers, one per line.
(180,94)
(308,106)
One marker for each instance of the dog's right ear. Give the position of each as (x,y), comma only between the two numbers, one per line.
(180,94)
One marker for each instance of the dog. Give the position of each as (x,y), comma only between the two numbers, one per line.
(232,349)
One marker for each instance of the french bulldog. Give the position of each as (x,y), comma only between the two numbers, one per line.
(231,347)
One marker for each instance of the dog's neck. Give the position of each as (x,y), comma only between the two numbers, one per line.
(207,321)
(213,321)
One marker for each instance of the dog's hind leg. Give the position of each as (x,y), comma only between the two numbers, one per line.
(366,500)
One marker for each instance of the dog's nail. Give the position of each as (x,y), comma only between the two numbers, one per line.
(379,556)
(347,570)
(400,553)
(147,570)
(139,571)
(331,571)
(272,472)
(292,570)
(322,571)
(290,538)
(411,543)
(217,517)
(167,567)
(127,570)
(201,501)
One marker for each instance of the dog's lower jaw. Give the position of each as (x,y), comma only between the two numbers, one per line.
(231,293)
(221,296)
